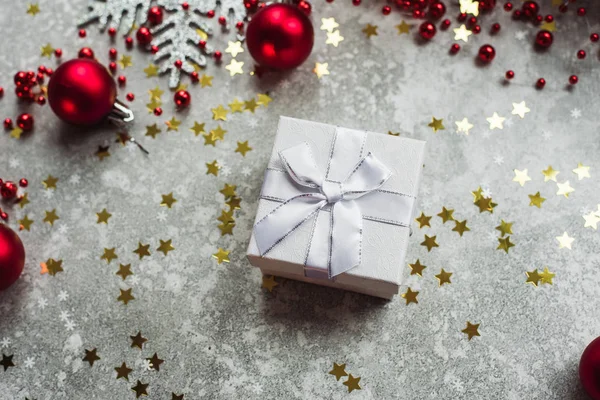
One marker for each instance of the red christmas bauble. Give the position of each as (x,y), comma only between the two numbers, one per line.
(280,36)
(86,52)
(437,10)
(486,53)
(530,9)
(143,36)
(182,98)
(487,5)
(306,7)
(12,257)
(427,30)
(544,39)
(81,91)
(155,15)
(25,122)
(8,190)
(589,369)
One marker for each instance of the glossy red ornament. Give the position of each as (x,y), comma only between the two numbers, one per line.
(510,74)
(12,257)
(154,49)
(549,18)
(143,36)
(129,42)
(594,37)
(8,190)
(437,10)
(112,66)
(239,25)
(58,53)
(185,5)
(178,64)
(217,55)
(130,96)
(472,21)
(251,5)
(476,29)
(202,44)
(8,124)
(581,54)
(544,39)
(182,98)
(158,111)
(41,100)
(540,83)
(418,14)
(461,17)
(573,79)
(82,33)
(496,28)
(23,182)
(530,9)
(1,91)
(194,77)
(386,10)
(122,79)
(25,121)
(86,52)
(280,36)
(306,7)
(21,78)
(508,6)
(356,2)
(487,5)
(589,369)
(3,215)
(516,14)
(445,24)
(81,91)
(486,53)
(49,71)
(210,13)
(222,20)
(112,31)
(581,11)
(155,15)
(455,48)
(427,30)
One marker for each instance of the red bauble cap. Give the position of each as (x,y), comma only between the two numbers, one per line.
(81,91)
(12,257)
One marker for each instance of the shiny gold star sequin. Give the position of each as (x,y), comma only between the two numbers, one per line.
(125,61)
(173,124)
(102,152)
(235,67)
(564,189)
(546,276)
(234,203)
(152,131)
(151,70)
(477,194)
(520,109)
(550,174)
(165,246)
(155,93)
(403,28)
(321,70)
(226,217)
(548,26)
(565,241)
(153,105)
(123,371)
(23,200)
(370,30)
(221,256)
(47,50)
(209,139)
(155,362)
(142,250)
(212,168)
(206,80)
(50,182)
(16,132)
(138,340)
(25,223)
(243,148)
(462,33)
(417,268)
(472,330)
(446,215)
(103,217)
(582,171)
(91,356)
(469,7)
(264,99)
(436,124)
(109,255)
(140,389)
(352,383)
(51,217)
(460,227)
(124,271)
(54,266)
(536,200)
(334,38)
(423,220)
(505,228)
(521,177)
(168,200)
(226,228)
(496,121)
(485,204)
(250,105)
(228,191)
(236,106)
(197,128)
(339,371)
(234,48)
(410,296)
(125,296)
(444,277)
(33,9)
(329,24)
(269,283)
(463,126)
(219,113)
(218,133)
(533,277)
(429,242)
(504,244)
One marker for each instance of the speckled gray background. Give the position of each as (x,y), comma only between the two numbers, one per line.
(220,334)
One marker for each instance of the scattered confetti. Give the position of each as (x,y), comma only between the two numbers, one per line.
(417,268)
(151,70)
(462,33)
(505,228)
(236,106)
(142,250)
(109,255)
(460,227)
(25,223)
(521,177)
(582,171)
(429,242)
(504,244)
(463,126)
(234,48)
(436,124)
(54,266)
(125,297)
(520,109)
(243,148)
(140,389)
(403,28)
(496,121)
(370,30)
(471,330)
(212,168)
(50,182)
(423,220)
(198,128)
(51,217)
(565,241)
(125,61)
(444,277)
(168,200)
(321,70)
(221,256)
(339,371)
(446,215)
(334,38)
(219,113)
(269,283)
(173,124)
(123,371)
(329,24)
(536,200)
(206,80)
(138,340)
(124,271)
(33,9)
(533,277)
(550,174)
(47,50)
(564,189)
(250,105)
(410,296)
(352,383)
(235,67)
(91,356)
(165,246)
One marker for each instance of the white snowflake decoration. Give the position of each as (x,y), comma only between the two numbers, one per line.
(117,13)
(230,9)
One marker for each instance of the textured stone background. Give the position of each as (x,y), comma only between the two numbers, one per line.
(220,334)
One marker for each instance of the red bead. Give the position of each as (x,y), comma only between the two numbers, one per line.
(143,36)
(549,18)
(329,1)
(508,6)
(25,122)
(210,13)
(49,71)
(154,49)
(41,100)
(23,182)
(437,10)
(472,21)
(418,14)
(222,20)
(182,98)
(445,24)
(573,79)
(185,5)
(538,19)
(420,4)
(8,125)
(202,44)
(112,54)
(386,10)
(86,52)
(129,42)
(476,29)
(158,111)
(42,69)
(130,96)
(516,14)
(58,53)
(530,9)
(454,48)
(544,39)
(581,11)
(356,2)
(24,92)
(461,17)
(540,83)
(594,37)
(8,190)
(563,8)
(510,74)
(581,54)
(1,91)
(40,78)
(251,5)
(194,76)
(486,53)
(427,30)
(112,66)
(122,80)
(496,28)
(589,369)
(178,64)
(82,33)
(21,78)
(12,257)
(4,216)
(487,5)
(239,25)
(112,31)
(218,55)
(155,15)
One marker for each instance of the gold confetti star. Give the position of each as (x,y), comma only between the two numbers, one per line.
(444,277)
(460,227)
(54,266)
(370,30)
(565,241)
(47,50)
(410,296)
(478,194)
(33,9)
(235,67)
(155,362)
(124,271)
(168,200)
(505,228)
(102,152)
(221,256)
(16,132)
(321,70)
(155,93)
(212,168)
(123,371)
(269,283)
(228,191)
(50,182)
(520,109)
(197,128)
(334,38)
(91,356)
(264,99)
(179,87)
(250,105)
(429,242)
(417,268)
(469,7)
(173,124)
(236,106)
(423,220)
(546,276)
(23,200)
(436,124)
(226,217)
(7,361)
(352,383)
(486,204)
(206,80)
(463,126)
(51,217)
(219,113)
(533,277)
(564,189)
(446,215)
(150,71)
(103,217)
(138,341)
(140,389)
(582,171)
(339,371)
(462,33)
(243,148)
(234,48)
(165,246)
(521,177)
(109,255)
(125,296)
(25,223)
(234,203)
(152,105)
(218,133)
(403,28)
(209,139)
(142,250)
(550,174)
(504,244)
(125,61)
(496,121)
(536,200)
(472,330)
(226,229)
(548,26)
(329,24)
(591,220)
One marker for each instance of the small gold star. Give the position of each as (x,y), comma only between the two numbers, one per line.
(226,228)
(124,271)
(446,215)
(155,93)
(25,223)
(228,191)
(173,124)
(103,217)
(54,266)
(403,27)
(565,241)
(109,255)
(153,105)
(206,80)
(264,99)
(234,203)
(16,132)
(536,200)
(533,277)
(352,383)
(151,70)
(235,67)
(463,126)
(548,26)
(243,148)
(339,371)
(472,330)
(417,268)
(125,296)
(505,228)
(370,30)
(485,204)
(462,33)
(234,48)
(250,105)
(226,217)
(138,340)
(460,227)
(123,371)
(469,7)
(140,389)
(142,250)
(123,138)
(219,113)
(236,106)
(197,128)
(47,50)
(520,109)
(328,24)
(212,168)
(152,130)
(444,277)
(504,244)
(564,189)
(269,283)
(410,296)
(165,246)
(155,362)
(321,70)
(103,152)
(91,356)
(125,61)
(209,139)
(334,38)
(23,200)
(477,195)
(221,256)
(218,133)
(546,276)
(550,174)
(436,124)
(496,121)
(33,9)
(582,171)
(50,182)
(51,217)
(521,177)
(429,242)
(168,200)
(423,220)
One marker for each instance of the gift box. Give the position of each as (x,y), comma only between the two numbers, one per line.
(336,207)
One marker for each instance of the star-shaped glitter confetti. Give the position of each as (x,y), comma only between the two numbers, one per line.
(504,244)
(477,194)
(138,341)
(565,241)
(444,277)
(165,246)
(548,26)
(50,182)
(218,133)
(321,70)
(51,217)
(206,80)
(173,124)
(339,371)
(446,215)
(520,109)
(505,228)
(47,50)
(219,113)
(393,133)
(423,220)
(155,362)
(264,99)
(209,139)
(176,396)
(151,70)
(329,24)
(550,174)
(54,266)
(125,61)
(124,271)
(370,30)
(212,168)
(429,242)
(234,48)
(102,152)
(109,255)
(485,204)
(436,124)
(582,171)
(23,200)
(334,38)
(235,67)
(352,383)
(460,227)
(123,371)
(591,220)
(243,148)
(228,191)
(16,132)
(103,217)
(471,330)
(91,356)
(463,126)
(125,296)
(181,86)
(269,283)
(496,121)
(154,104)
(168,200)
(546,276)
(536,200)
(462,33)
(155,93)
(140,389)
(221,256)
(33,9)
(25,223)
(198,128)
(226,217)
(403,28)
(533,277)
(521,177)
(564,189)
(410,296)
(469,7)
(226,228)
(142,250)
(234,203)
(250,105)
(7,361)
(236,106)
(417,268)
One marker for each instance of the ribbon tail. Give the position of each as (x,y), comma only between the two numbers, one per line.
(345,237)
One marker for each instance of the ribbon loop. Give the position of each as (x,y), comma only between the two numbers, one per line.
(332,190)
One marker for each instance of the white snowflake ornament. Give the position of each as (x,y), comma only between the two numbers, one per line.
(118,13)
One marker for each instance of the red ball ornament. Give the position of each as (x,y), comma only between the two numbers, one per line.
(222,20)
(581,54)
(217,55)
(508,6)
(486,53)
(418,14)
(21,78)
(496,28)
(455,48)
(86,52)
(510,74)
(130,96)
(129,42)
(530,9)
(41,100)
(25,122)
(143,36)
(516,14)
(210,13)
(178,64)
(82,92)
(122,79)
(386,10)
(182,98)
(58,53)
(544,39)
(280,36)
(540,83)
(445,24)
(437,10)
(155,15)
(461,17)
(23,182)
(154,49)
(589,369)
(194,77)
(239,25)
(476,29)
(306,7)
(185,5)
(573,79)
(112,31)
(158,111)
(112,66)
(549,18)
(472,21)
(594,37)
(581,11)
(427,30)
(82,33)
(487,5)
(356,2)
(12,257)
(8,190)
(4,216)
(8,124)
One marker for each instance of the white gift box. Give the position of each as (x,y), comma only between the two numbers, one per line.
(336,207)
